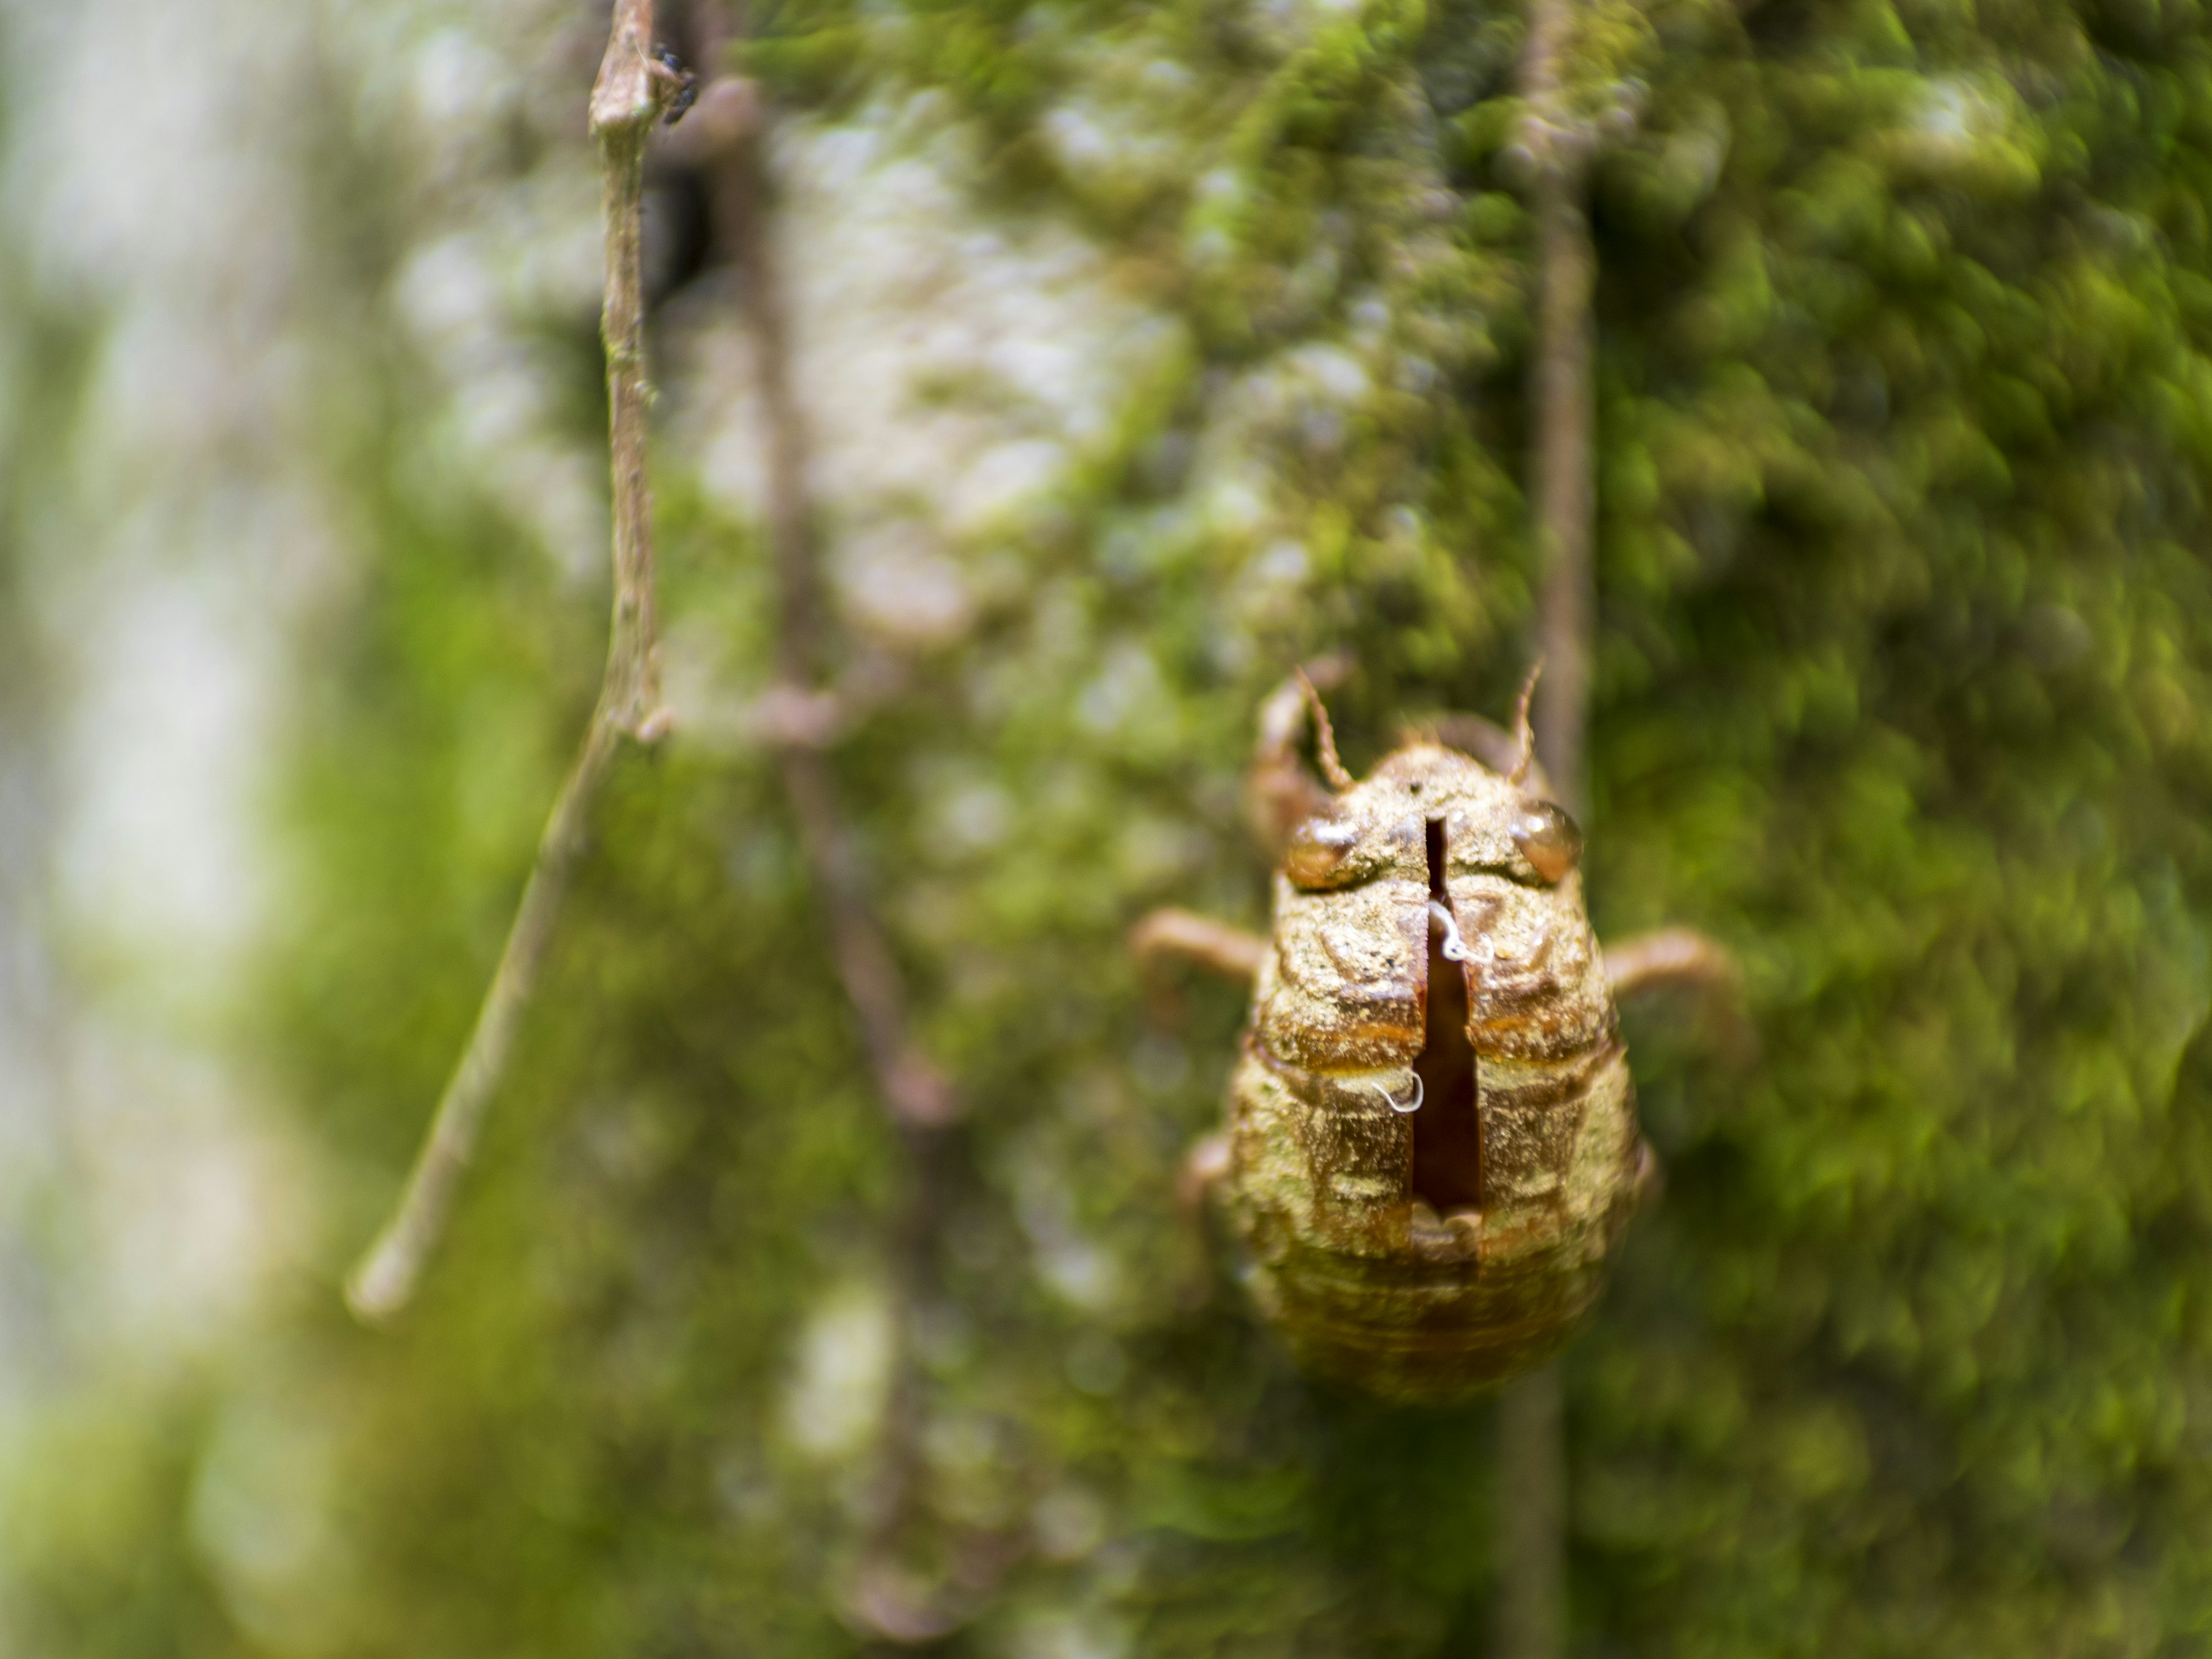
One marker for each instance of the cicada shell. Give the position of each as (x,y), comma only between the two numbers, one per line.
(1432,1138)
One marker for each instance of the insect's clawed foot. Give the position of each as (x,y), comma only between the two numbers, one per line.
(1204,1168)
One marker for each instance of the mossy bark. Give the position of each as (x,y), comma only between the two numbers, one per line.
(1146,352)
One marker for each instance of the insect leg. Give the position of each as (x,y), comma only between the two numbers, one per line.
(1229,951)
(1670,955)
(1204,1167)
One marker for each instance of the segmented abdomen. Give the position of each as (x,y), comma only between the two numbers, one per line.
(1366,1282)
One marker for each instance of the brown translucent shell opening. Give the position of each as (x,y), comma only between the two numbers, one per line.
(1548,839)
(1447,1133)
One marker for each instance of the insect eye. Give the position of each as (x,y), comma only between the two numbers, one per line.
(1318,849)
(1548,839)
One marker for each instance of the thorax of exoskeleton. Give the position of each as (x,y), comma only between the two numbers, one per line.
(1432,912)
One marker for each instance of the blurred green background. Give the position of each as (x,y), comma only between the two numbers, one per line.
(1147,350)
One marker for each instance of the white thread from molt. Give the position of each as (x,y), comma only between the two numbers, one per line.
(1454,947)
(1420,1093)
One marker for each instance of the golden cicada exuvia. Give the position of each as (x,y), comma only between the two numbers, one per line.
(1431,1147)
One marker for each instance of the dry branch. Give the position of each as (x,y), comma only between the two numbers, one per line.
(625,100)
(733,121)
(1561,393)
(1529,1613)
(920,1103)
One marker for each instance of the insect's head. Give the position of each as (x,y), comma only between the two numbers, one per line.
(1488,818)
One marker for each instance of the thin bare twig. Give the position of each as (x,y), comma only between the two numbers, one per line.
(1529,1609)
(625,99)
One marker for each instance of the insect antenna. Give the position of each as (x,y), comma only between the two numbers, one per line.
(1325,739)
(1522,732)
